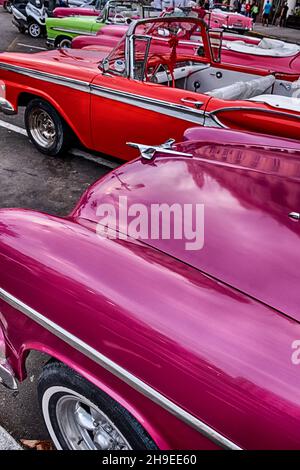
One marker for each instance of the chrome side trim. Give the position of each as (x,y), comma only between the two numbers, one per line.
(178,111)
(152,104)
(249,108)
(72,31)
(119,372)
(48,77)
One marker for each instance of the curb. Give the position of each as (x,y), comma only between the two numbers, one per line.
(7,442)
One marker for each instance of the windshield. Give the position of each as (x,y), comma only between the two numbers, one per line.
(120,12)
(164,42)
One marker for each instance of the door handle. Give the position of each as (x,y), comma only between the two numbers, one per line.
(196,103)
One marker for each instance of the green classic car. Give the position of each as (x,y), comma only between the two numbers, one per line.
(61,31)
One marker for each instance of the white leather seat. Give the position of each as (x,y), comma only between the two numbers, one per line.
(244,90)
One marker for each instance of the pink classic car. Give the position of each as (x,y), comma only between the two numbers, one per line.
(265,54)
(152,345)
(91,8)
(216,18)
(229,20)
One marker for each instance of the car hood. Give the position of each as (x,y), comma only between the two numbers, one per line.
(78,64)
(247,192)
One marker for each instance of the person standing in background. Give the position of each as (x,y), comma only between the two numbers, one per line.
(266,13)
(243,8)
(248,9)
(254,11)
(283,15)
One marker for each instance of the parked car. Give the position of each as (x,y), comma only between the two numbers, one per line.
(149,87)
(229,20)
(266,53)
(6,4)
(61,31)
(151,345)
(91,8)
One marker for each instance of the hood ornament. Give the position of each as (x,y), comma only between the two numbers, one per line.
(148,152)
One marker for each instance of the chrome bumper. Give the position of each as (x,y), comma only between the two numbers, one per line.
(6,107)
(7,376)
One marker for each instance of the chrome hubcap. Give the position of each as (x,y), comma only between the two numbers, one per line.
(42,128)
(85,427)
(34,30)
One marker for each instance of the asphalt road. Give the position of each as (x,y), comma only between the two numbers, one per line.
(30,180)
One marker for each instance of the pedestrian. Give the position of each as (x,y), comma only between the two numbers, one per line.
(254,12)
(248,9)
(243,8)
(266,13)
(235,5)
(283,14)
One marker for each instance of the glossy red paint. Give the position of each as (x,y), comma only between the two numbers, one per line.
(229,20)
(144,111)
(212,332)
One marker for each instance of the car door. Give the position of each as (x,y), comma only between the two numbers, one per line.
(128,109)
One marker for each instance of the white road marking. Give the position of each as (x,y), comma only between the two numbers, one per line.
(12,45)
(31,47)
(75,152)
(12,127)
(93,158)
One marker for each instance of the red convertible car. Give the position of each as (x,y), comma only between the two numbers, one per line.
(152,345)
(151,86)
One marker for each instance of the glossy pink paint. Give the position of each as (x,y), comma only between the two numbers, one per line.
(213,332)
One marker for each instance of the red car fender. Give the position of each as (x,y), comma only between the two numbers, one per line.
(16,93)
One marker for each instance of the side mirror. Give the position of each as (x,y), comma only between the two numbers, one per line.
(104,65)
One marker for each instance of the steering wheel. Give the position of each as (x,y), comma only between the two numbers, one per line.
(157,61)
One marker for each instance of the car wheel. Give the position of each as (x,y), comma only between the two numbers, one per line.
(79,416)
(46,129)
(64,43)
(35,30)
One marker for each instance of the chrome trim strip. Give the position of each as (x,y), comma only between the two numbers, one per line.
(160,106)
(178,111)
(48,77)
(73,31)
(119,372)
(163,107)
(249,108)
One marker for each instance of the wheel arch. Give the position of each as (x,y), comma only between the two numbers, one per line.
(100,382)
(61,37)
(25,97)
